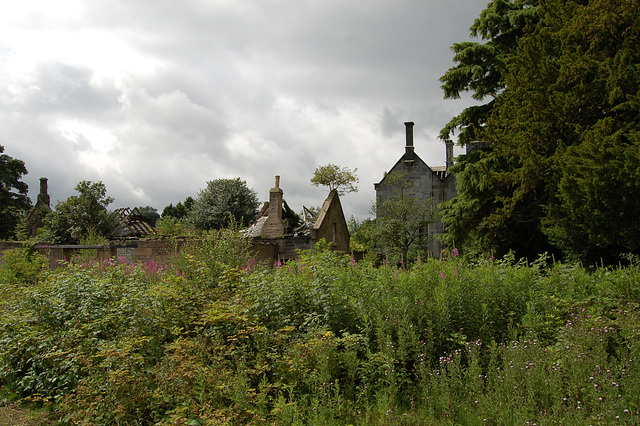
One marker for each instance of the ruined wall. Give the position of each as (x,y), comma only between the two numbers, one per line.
(131,251)
(331,224)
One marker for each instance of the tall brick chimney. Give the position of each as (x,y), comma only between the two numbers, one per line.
(274,226)
(409,132)
(275,200)
(43,196)
(408,150)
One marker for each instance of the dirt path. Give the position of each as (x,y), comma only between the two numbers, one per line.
(12,415)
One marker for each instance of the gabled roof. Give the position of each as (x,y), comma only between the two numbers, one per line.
(438,171)
(331,199)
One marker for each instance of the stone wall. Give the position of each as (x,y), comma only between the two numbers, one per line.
(435,183)
(132,251)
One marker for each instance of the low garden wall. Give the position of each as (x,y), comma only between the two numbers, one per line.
(131,250)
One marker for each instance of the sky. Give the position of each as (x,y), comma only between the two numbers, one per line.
(157,97)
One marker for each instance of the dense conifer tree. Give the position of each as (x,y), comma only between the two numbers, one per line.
(562,170)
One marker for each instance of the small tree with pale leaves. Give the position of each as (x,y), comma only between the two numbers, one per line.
(342,179)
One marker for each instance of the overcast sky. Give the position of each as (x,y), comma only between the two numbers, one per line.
(156,97)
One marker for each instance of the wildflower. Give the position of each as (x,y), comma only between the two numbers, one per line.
(443,275)
(454,252)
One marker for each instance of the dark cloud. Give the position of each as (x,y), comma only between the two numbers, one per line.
(154,98)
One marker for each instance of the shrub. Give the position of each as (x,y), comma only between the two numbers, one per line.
(210,338)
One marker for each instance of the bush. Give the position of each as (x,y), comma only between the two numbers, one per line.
(210,337)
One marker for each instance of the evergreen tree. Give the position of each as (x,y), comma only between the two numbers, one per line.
(179,211)
(481,66)
(150,213)
(564,139)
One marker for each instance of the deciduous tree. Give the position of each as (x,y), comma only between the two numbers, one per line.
(341,179)
(401,220)
(224,201)
(180,210)
(14,201)
(80,216)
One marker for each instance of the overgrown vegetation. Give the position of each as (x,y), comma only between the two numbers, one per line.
(211,337)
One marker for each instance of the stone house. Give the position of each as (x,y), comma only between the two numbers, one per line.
(428,182)
(273,241)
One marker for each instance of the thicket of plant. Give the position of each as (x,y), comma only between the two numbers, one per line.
(210,337)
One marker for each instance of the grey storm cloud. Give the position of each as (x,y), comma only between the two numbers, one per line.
(154,98)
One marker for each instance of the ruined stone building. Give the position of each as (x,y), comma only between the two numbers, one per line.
(428,182)
(274,241)
(35,219)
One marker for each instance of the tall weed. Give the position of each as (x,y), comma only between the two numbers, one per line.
(210,338)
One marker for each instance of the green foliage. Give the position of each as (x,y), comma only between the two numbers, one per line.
(563,132)
(20,266)
(481,67)
(363,235)
(80,215)
(172,227)
(210,337)
(222,202)
(150,213)
(213,258)
(14,202)
(179,211)
(400,229)
(290,217)
(342,179)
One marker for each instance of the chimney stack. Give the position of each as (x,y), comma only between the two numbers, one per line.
(409,152)
(44,195)
(409,132)
(449,153)
(274,226)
